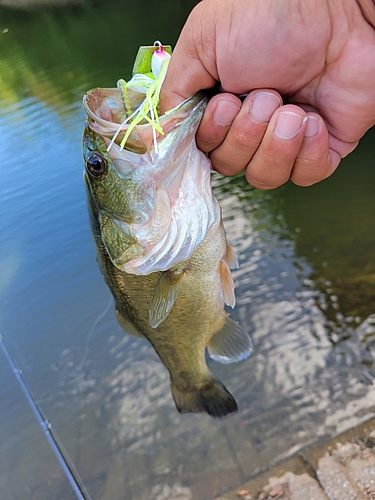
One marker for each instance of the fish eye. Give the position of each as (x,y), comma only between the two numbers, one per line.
(95,164)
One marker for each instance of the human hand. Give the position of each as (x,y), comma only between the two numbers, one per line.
(319,56)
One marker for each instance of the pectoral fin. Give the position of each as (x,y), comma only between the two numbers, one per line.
(226,284)
(165,294)
(230,344)
(120,246)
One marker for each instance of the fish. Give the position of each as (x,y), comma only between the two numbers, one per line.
(161,244)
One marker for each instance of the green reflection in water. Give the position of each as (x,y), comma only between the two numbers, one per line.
(56,54)
(334,228)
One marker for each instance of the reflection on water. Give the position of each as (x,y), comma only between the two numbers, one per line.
(58,55)
(33,4)
(336,235)
(304,290)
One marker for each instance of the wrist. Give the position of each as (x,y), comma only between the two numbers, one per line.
(368,10)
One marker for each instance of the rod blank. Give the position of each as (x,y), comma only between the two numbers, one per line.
(61,454)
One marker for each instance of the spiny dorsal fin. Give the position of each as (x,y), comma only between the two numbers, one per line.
(231,258)
(127,325)
(230,344)
(226,284)
(165,294)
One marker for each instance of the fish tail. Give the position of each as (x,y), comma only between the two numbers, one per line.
(212,397)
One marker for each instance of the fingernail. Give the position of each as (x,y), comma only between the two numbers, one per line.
(225,113)
(288,124)
(264,106)
(312,126)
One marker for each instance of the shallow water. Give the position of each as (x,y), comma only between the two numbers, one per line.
(305,290)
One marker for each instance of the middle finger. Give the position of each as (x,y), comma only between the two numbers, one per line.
(246,132)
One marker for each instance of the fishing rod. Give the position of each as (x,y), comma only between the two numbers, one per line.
(55,443)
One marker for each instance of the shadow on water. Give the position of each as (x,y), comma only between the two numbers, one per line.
(304,291)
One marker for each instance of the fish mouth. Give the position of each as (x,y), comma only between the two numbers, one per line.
(178,207)
(106,114)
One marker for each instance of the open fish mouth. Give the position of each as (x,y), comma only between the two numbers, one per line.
(178,207)
(106,116)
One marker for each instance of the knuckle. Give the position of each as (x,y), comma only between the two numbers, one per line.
(265,182)
(307,172)
(207,141)
(224,167)
(206,145)
(244,140)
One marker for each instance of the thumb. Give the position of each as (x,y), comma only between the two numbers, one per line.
(187,74)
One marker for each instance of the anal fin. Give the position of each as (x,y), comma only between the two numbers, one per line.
(226,284)
(230,344)
(165,294)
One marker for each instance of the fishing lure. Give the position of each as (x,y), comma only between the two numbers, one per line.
(149,71)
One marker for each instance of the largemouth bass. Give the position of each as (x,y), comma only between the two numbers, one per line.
(161,245)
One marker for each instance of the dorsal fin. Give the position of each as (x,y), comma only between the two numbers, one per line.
(165,294)
(226,284)
(230,344)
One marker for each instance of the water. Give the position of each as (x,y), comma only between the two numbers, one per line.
(305,290)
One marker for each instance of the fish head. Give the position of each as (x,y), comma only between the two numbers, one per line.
(118,196)
(117,200)
(155,190)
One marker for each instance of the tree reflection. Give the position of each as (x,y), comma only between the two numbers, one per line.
(58,54)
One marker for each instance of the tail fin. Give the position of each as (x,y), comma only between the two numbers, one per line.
(211,397)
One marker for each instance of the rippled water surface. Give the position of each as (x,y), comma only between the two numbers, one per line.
(305,291)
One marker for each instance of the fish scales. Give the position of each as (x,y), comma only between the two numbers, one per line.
(169,285)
